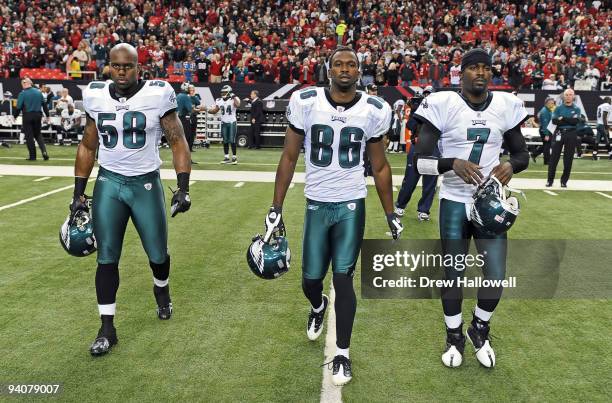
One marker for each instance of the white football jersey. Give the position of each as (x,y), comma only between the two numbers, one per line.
(69,121)
(129,128)
(227,109)
(605,107)
(470,134)
(335,139)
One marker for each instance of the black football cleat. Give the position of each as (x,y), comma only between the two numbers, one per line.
(455,346)
(164,303)
(103,342)
(314,326)
(478,334)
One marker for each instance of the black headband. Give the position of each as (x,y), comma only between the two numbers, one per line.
(475,56)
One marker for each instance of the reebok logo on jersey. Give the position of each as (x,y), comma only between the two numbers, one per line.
(122,107)
(479,122)
(338,119)
(148,186)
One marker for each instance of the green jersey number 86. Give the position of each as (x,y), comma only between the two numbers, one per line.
(349,150)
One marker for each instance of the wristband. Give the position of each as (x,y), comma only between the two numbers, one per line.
(182,181)
(80,183)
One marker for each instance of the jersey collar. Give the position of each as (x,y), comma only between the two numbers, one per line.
(117,97)
(346,105)
(478,107)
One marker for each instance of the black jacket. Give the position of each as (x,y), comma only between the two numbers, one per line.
(257,111)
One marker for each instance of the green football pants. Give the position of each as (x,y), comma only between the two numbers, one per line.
(116,198)
(332,232)
(228,132)
(456,231)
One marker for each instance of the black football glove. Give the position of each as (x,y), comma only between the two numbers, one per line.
(181,201)
(274,224)
(395,225)
(79,203)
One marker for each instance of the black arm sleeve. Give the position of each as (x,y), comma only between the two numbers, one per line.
(425,146)
(519,156)
(45,109)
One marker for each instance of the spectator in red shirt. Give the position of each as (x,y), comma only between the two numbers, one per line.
(215,68)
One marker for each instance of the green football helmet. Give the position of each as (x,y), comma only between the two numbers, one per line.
(493,210)
(269,260)
(77,237)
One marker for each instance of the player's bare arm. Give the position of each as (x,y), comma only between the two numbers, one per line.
(86,152)
(173,129)
(286,166)
(428,165)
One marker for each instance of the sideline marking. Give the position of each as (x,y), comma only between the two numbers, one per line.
(44,178)
(550,193)
(239,185)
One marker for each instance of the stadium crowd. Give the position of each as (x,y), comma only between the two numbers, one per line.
(536,44)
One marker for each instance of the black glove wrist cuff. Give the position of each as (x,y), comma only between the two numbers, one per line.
(80,184)
(182,180)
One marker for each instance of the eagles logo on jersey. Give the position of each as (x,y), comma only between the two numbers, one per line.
(335,139)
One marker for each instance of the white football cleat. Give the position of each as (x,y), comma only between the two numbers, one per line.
(341,370)
(478,334)
(455,345)
(314,326)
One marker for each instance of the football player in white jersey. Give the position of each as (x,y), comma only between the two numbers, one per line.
(125,118)
(227,104)
(335,126)
(470,127)
(604,113)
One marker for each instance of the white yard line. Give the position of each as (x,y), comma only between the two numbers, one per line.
(44,178)
(40,196)
(292,185)
(395,188)
(550,193)
(191,182)
(330,393)
(604,195)
(239,185)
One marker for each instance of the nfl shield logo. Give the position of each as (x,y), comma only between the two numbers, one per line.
(351,206)
(148,186)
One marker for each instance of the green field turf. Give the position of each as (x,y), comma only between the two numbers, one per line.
(267,159)
(235,337)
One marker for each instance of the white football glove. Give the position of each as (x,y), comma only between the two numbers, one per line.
(274,224)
